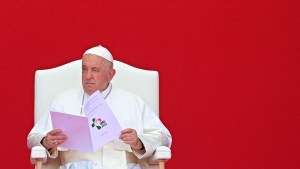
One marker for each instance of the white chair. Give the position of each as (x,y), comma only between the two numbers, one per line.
(50,82)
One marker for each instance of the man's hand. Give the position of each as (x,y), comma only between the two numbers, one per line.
(129,136)
(53,138)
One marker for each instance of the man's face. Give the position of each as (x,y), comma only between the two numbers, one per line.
(96,73)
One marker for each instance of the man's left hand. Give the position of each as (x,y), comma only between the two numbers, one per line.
(129,136)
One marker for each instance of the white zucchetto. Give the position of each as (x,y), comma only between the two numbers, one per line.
(100,51)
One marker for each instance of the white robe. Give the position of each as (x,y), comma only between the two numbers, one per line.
(131,112)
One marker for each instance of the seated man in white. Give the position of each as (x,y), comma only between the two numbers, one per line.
(142,130)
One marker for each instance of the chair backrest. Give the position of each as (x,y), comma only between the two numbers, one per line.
(50,82)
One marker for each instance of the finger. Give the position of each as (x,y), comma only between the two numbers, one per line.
(57,142)
(59,137)
(53,140)
(55,131)
(128,130)
(123,136)
(50,141)
(132,143)
(127,136)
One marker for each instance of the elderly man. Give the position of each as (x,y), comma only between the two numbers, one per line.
(142,130)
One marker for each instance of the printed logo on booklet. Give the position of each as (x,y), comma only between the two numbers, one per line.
(98,123)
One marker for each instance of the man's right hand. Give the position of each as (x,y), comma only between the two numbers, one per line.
(53,139)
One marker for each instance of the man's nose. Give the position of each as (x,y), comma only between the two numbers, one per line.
(89,74)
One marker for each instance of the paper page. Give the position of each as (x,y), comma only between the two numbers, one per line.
(91,132)
(75,128)
(104,127)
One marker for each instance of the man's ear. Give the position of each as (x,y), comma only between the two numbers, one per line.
(112,73)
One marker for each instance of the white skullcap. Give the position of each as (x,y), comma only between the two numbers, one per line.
(100,51)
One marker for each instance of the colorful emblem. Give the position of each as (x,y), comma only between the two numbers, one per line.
(98,123)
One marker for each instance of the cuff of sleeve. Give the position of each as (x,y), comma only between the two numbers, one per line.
(35,140)
(139,153)
(52,153)
(143,152)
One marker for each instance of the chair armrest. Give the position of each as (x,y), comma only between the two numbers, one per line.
(161,153)
(38,153)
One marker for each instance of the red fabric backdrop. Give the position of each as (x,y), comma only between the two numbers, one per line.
(229,72)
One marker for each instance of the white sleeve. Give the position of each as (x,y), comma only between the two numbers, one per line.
(154,133)
(39,130)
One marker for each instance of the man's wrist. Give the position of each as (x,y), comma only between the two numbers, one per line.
(43,142)
(143,147)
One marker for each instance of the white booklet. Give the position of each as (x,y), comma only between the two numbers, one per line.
(88,133)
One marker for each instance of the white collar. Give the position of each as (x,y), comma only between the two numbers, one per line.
(104,93)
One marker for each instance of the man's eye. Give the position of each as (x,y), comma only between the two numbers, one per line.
(96,70)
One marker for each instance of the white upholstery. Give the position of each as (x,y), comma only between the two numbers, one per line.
(50,82)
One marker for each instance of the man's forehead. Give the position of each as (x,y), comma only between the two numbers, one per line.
(93,61)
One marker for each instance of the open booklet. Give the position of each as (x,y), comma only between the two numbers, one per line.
(88,133)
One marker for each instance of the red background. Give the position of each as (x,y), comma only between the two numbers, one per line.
(229,72)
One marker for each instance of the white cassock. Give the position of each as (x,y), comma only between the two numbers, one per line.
(131,112)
